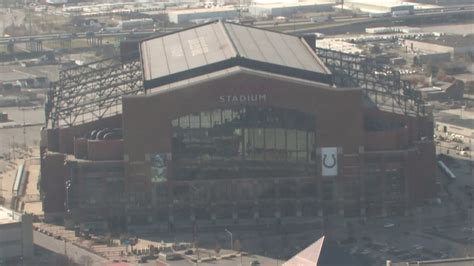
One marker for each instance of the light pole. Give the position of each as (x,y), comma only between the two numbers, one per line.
(231,240)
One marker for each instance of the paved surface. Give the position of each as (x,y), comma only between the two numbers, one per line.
(31,202)
(77,254)
(452,29)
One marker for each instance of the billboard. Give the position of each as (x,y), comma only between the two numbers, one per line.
(159,169)
(329,161)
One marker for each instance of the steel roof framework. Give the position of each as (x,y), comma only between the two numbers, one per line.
(94,91)
(91,92)
(380,83)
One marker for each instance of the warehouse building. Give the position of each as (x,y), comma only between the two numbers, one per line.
(192,15)
(451,45)
(456,123)
(389,7)
(288,9)
(233,123)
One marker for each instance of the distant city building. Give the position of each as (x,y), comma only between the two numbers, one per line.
(288,8)
(201,14)
(56,2)
(3,119)
(447,44)
(443,91)
(16,236)
(468,261)
(388,7)
(455,122)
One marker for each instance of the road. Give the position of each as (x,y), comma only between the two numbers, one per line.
(78,255)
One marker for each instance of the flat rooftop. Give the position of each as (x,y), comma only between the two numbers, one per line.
(201,10)
(456,117)
(452,40)
(386,3)
(8,216)
(281,5)
(468,261)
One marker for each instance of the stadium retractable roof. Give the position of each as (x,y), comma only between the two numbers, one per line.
(220,45)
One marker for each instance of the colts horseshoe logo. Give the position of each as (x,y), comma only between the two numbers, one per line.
(334,161)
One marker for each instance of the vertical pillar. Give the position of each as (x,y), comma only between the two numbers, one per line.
(10,47)
(383,174)
(319,183)
(235,215)
(362,199)
(256,212)
(299,209)
(170,218)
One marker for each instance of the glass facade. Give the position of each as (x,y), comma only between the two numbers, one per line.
(244,142)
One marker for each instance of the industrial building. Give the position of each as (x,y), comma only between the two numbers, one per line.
(442,91)
(222,123)
(456,123)
(190,15)
(288,9)
(388,7)
(451,45)
(16,236)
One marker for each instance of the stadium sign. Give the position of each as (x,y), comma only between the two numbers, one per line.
(329,161)
(243,98)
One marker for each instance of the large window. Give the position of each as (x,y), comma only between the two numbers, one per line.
(244,142)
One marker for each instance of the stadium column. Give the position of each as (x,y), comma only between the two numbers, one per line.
(235,214)
(10,47)
(256,213)
(383,174)
(362,199)
(339,182)
(320,184)
(213,213)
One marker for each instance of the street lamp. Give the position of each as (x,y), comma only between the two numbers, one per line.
(231,241)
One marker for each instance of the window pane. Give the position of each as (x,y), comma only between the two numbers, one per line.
(184,121)
(280,139)
(259,139)
(292,156)
(302,156)
(291,140)
(175,123)
(195,120)
(302,141)
(216,117)
(205,120)
(269,138)
(226,116)
(249,144)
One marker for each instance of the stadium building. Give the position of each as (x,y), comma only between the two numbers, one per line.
(223,123)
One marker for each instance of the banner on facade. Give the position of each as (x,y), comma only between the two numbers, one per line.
(329,161)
